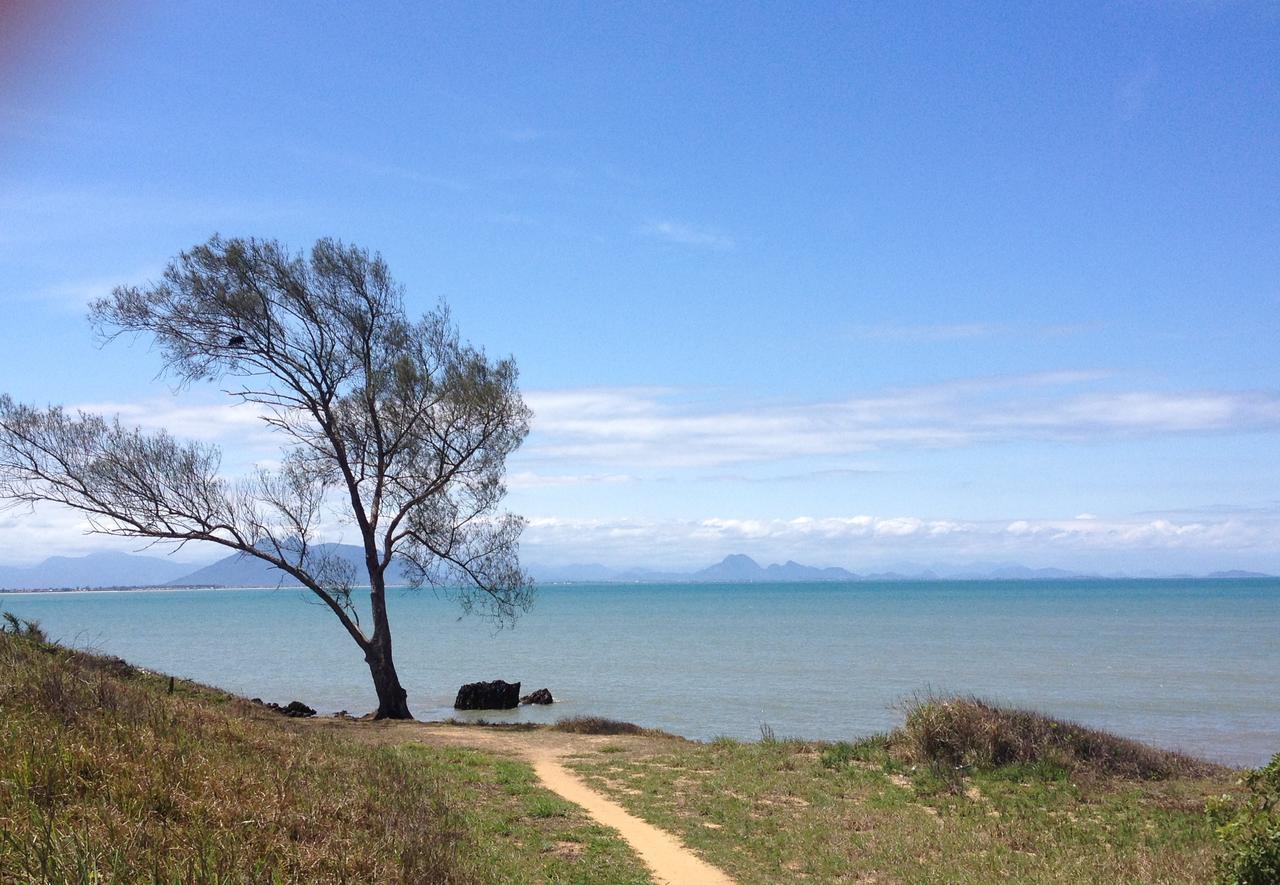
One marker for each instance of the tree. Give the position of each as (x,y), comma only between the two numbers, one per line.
(397,425)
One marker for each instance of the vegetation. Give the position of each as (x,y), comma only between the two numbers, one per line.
(969,733)
(597,725)
(107,776)
(399,423)
(108,772)
(963,792)
(1249,828)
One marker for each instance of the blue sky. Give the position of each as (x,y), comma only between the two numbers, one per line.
(845,283)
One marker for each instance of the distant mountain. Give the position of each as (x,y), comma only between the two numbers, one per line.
(1005,571)
(243,570)
(93,570)
(594,573)
(239,570)
(735,567)
(739,567)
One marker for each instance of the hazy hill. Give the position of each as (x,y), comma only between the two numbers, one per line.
(94,570)
(238,570)
(242,570)
(738,567)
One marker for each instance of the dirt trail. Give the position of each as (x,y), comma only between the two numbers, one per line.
(665,855)
(667,858)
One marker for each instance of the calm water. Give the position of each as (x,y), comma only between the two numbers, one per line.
(1193,665)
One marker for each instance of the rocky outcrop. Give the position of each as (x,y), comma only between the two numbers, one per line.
(496,695)
(293,709)
(541,696)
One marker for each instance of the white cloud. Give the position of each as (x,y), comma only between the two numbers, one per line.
(655,427)
(212,422)
(849,540)
(75,295)
(688,235)
(29,535)
(527,479)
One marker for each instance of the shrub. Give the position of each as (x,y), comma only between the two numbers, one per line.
(16,626)
(596,725)
(1249,831)
(966,732)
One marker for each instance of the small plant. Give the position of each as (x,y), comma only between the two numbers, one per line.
(766,734)
(842,754)
(1249,831)
(543,805)
(16,626)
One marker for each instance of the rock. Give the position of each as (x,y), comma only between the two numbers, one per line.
(541,696)
(298,710)
(496,695)
(294,709)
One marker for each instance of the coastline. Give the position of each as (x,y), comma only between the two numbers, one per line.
(1090,808)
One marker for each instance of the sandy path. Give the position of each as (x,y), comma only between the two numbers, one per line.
(667,858)
(665,855)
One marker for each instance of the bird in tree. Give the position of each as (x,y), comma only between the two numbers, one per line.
(396,424)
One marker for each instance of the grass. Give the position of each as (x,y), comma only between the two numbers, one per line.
(968,732)
(1065,804)
(107,776)
(597,725)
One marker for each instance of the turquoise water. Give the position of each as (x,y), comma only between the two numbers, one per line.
(1193,665)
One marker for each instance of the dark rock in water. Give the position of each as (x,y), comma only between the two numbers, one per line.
(496,695)
(541,696)
(298,710)
(294,709)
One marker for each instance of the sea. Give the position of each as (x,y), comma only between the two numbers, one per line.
(1192,665)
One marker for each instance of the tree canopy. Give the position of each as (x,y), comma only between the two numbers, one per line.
(395,425)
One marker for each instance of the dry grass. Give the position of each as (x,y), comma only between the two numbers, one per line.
(107,776)
(967,732)
(774,812)
(880,810)
(598,725)
(104,773)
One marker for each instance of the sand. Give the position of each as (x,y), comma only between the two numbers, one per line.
(666,856)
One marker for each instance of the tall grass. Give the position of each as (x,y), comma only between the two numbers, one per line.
(106,776)
(597,725)
(968,732)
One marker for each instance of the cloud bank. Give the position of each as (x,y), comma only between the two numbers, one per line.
(655,427)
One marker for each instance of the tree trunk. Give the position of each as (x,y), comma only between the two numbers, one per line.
(392,703)
(392,698)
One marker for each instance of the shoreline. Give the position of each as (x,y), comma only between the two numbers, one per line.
(1061,804)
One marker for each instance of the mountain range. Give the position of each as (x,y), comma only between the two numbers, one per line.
(239,570)
(739,568)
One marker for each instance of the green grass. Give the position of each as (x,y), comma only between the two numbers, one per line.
(787,810)
(106,776)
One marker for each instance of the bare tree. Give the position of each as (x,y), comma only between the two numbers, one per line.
(399,421)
